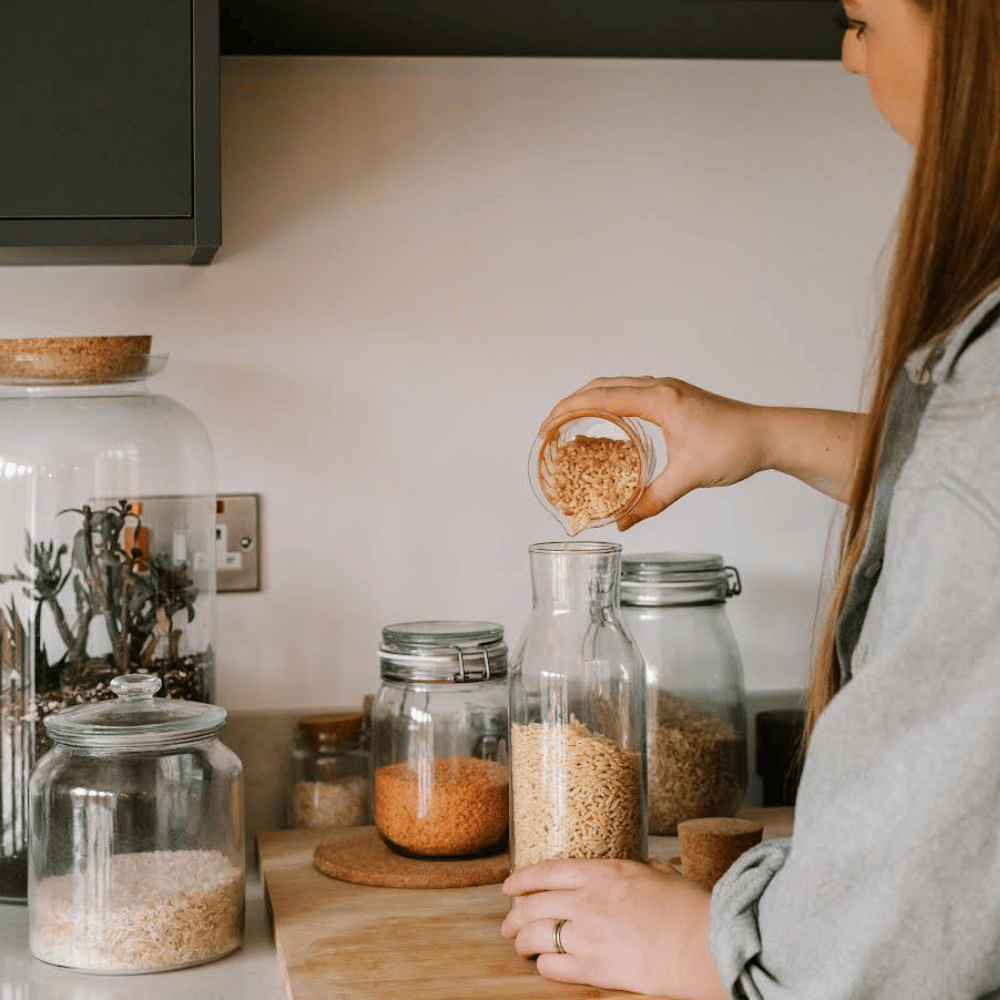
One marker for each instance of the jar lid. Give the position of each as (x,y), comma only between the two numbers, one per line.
(443,651)
(136,720)
(77,360)
(330,727)
(664,578)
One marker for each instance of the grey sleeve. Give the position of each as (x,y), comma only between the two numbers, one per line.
(890,887)
(734,937)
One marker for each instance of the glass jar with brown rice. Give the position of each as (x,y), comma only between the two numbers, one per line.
(675,606)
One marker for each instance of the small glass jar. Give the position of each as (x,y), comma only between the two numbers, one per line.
(577,713)
(441,786)
(330,768)
(136,836)
(675,605)
(591,467)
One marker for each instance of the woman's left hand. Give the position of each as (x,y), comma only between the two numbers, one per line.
(625,926)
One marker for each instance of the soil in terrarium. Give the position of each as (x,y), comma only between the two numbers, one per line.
(141,602)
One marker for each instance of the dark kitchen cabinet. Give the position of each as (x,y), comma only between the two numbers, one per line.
(684,29)
(109,113)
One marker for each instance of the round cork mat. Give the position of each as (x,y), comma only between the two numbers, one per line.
(75,358)
(357,854)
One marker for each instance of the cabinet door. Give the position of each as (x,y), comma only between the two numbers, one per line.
(95,109)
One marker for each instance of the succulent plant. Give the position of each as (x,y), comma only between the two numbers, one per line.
(137,595)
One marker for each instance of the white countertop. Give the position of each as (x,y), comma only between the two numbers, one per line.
(251,973)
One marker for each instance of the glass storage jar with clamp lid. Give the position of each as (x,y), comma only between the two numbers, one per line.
(439,740)
(674,604)
(136,836)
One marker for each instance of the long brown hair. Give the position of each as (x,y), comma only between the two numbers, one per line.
(946,258)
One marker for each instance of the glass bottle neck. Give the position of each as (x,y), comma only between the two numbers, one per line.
(569,577)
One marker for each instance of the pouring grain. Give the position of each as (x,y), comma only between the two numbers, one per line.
(591,478)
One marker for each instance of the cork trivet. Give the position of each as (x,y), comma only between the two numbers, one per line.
(710,845)
(357,854)
(74,358)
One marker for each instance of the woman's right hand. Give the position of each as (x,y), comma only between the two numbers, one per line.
(715,441)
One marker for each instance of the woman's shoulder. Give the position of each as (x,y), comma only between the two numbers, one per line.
(956,441)
(968,363)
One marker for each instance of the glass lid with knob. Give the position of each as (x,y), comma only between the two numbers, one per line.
(135,720)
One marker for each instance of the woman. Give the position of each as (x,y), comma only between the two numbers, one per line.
(890,885)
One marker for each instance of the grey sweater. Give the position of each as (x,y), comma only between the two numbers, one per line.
(890,884)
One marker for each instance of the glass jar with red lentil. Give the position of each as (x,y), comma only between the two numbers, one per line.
(441,785)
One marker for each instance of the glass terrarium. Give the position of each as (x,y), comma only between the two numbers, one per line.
(107,529)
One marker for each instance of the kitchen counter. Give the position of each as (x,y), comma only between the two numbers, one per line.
(251,973)
(339,940)
(255,971)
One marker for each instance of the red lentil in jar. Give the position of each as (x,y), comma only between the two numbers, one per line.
(439,740)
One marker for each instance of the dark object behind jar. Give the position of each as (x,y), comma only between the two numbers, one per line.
(779,759)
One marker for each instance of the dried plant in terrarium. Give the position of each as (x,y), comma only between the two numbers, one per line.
(115,607)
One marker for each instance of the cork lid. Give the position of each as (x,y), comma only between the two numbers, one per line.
(68,360)
(330,727)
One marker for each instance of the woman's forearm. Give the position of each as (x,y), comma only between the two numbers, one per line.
(818,447)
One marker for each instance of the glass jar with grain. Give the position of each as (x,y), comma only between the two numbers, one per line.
(577,713)
(675,606)
(330,765)
(136,859)
(440,781)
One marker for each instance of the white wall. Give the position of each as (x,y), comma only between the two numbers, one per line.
(422,255)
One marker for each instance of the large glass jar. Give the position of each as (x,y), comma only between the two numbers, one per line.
(330,768)
(136,825)
(577,713)
(675,606)
(107,524)
(439,740)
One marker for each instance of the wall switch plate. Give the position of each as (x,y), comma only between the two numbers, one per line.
(237,542)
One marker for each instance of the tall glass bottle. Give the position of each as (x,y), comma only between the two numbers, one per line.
(577,713)
(107,539)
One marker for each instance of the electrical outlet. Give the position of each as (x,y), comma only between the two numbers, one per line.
(237,542)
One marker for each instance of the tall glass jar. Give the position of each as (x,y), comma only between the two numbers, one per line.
(577,713)
(107,524)
(330,768)
(675,605)
(136,823)
(441,785)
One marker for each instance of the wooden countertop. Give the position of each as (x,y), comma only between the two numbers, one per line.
(340,941)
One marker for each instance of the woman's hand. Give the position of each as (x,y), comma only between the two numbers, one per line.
(715,441)
(627,926)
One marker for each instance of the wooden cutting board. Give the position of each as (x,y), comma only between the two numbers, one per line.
(340,941)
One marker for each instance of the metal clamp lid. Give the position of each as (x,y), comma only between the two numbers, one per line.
(667,578)
(443,652)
